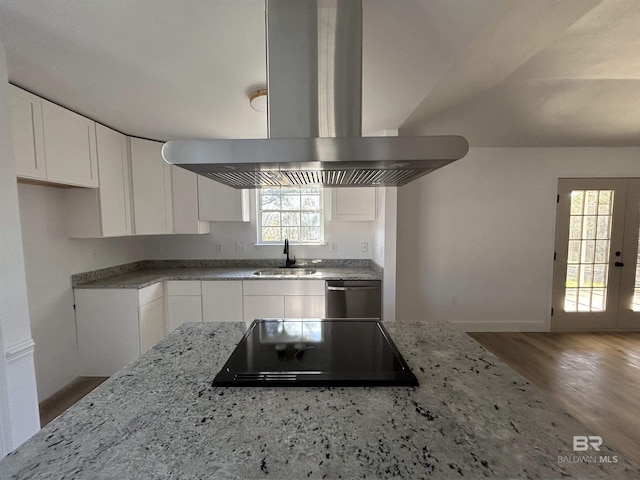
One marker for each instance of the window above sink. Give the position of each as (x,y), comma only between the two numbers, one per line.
(295,213)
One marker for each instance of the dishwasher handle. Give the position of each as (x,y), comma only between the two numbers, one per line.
(344,289)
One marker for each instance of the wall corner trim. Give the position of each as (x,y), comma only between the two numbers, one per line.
(19,350)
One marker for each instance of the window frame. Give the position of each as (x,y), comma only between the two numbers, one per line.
(320,211)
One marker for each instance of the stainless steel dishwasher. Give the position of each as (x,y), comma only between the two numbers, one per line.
(353,298)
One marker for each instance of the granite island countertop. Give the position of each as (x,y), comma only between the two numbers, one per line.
(160,418)
(184,270)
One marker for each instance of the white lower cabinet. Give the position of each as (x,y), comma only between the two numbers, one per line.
(116,325)
(283,299)
(222,301)
(263,306)
(308,306)
(184,303)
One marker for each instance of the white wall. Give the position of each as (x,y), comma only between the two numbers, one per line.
(482,230)
(51,257)
(18,401)
(347,235)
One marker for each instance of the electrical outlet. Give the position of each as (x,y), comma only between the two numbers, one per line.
(240,247)
(381,250)
(454,300)
(334,246)
(218,247)
(364,247)
(158,247)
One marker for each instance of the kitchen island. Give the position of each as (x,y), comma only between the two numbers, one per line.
(159,417)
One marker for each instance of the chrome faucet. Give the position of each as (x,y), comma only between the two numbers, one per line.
(288,262)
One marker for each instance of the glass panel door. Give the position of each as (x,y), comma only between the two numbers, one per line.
(589,238)
(629,302)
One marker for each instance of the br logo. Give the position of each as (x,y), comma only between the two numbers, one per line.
(582,443)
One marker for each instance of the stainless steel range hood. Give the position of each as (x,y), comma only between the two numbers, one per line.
(314,77)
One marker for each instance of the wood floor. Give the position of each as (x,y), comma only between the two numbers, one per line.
(65,398)
(593,376)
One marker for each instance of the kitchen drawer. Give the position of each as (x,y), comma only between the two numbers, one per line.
(150,293)
(283,287)
(184,287)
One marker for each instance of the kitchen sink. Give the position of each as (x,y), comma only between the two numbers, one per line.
(289,272)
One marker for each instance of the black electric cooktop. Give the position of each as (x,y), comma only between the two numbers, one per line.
(309,352)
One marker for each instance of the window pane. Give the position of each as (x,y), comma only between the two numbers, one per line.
(310,202)
(589,227)
(271,219)
(575,227)
(591,202)
(289,202)
(291,219)
(311,219)
(577,198)
(292,233)
(605,202)
(271,234)
(270,202)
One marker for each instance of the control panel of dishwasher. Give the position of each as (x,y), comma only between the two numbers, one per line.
(353,299)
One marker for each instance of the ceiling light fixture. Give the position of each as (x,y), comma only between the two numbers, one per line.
(258,100)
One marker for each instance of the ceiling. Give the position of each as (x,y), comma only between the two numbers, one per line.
(500,72)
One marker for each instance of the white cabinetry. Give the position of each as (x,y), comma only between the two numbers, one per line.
(220,203)
(222,301)
(353,204)
(105,211)
(52,144)
(185,188)
(283,298)
(152,196)
(116,325)
(27,133)
(184,303)
(69,146)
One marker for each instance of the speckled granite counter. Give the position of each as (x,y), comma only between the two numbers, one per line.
(150,272)
(159,418)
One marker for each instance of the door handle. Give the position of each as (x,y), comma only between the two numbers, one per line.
(344,289)
(619,264)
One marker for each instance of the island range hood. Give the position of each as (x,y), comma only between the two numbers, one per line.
(314,84)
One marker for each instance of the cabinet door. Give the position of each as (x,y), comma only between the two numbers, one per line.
(108,332)
(69,146)
(185,202)
(152,323)
(27,134)
(182,309)
(115,184)
(263,306)
(307,306)
(353,204)
(151,184)
(222,301)
(219,203)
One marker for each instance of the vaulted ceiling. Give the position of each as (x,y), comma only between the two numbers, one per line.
(500,72)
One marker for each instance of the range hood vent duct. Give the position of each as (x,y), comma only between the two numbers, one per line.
(314,77)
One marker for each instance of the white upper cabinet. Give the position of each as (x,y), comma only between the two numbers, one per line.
(28,137)
(152,196)
(52,144)
(106,211)
(219,203)
(353,204)
(69,146)
(185,202)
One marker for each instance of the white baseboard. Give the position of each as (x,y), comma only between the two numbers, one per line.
(501,326)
